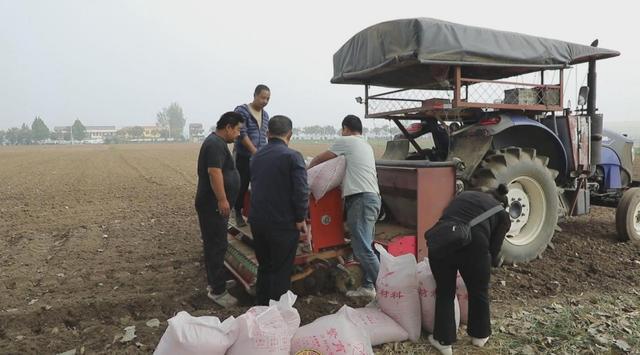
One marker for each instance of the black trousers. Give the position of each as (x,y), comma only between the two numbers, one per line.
(474,264)
(275,251)
(242,164)
(213,228)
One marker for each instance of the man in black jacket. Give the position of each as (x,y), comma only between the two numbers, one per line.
(279,206)
(474,262)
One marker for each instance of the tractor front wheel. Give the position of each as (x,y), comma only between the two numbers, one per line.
(628,216)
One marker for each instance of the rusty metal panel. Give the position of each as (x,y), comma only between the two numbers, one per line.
(580,135)
(436,188)
(398,191)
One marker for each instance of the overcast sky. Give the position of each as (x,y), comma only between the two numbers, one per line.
(119,62)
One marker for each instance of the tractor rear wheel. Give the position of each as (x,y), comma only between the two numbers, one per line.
(533,200)
(628,216)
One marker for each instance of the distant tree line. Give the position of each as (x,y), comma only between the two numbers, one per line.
(328,132)
(170,122)
(39,133)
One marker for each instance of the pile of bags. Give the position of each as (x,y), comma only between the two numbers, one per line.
(261,330)
(405,304)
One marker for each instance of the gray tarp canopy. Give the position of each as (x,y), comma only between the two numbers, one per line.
(419,53)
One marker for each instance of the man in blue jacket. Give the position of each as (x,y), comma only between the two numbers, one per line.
(253,136)
(279,207)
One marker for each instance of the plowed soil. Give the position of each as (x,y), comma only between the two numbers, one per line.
(97,238)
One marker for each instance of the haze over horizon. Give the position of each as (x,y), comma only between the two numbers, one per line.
(120,62)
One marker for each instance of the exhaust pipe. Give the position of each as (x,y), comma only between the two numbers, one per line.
(596,119)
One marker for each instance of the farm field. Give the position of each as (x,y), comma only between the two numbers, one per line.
(97,238)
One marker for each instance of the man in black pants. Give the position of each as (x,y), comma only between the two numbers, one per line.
(218,184)
(253,136)
(279,206)
(474,262)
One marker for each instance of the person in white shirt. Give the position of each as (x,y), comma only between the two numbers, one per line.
(362,198)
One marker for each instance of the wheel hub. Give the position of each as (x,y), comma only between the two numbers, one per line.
(636,219)
(527,207)
(518,207)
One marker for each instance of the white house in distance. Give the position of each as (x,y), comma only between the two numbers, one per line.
(94,134)
(196,132)
(100,132)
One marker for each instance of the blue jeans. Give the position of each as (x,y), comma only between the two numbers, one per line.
(362,213)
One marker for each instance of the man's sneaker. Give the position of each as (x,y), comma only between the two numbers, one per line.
(224,300)
(443,349)
(240,219)
(363,292)
(479,342)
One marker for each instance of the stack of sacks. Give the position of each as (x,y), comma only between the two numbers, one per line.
(267,330)
(332,334)
(379,326)
(397,291)
(197,335)
(427,292)
(327,176)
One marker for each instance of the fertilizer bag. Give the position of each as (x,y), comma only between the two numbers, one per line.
(267,329)
(397,291)
(463,299)
(379,326)
(187,334)
(427,291)
(332,334)
(327,176)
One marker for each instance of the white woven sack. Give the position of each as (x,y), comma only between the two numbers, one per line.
(267,329)
(427,291)
(463,299)
(187,334)
(397,291)
(327,176)
(379,326)
(332,334)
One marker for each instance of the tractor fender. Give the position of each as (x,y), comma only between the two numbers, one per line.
(523,132)
(472,143)
(615,175)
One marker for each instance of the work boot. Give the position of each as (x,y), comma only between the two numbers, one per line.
(224,300)
(443,349)
(367,292)
(479,342)
(240,219)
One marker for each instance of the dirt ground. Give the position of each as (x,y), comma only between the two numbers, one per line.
(98,238)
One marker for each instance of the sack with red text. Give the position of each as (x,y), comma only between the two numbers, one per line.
(397,291)
(427,291)
(379,326)
(332,334)
(187,334)
(463,299)
(327,176)
(267,329)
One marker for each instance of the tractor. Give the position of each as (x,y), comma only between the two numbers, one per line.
(492,101)
(476,107)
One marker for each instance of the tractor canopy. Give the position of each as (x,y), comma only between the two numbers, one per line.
(419,53)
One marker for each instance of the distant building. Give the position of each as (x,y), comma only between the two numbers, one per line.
(196,132)
(152,132)
(93,133)
(60,132)
(100,132)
